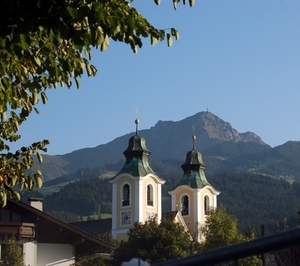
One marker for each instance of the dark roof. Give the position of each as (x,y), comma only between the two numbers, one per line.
(51,230)
(94,227)
(169,216)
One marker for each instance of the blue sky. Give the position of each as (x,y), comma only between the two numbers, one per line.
(239,58)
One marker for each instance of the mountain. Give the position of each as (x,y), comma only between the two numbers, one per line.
(223,148)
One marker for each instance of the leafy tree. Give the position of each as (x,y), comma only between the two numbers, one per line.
(154,243)
(44,44)
(13,254)
(221,230)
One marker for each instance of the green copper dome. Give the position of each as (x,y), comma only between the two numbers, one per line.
(137,155)
(193,170)
(136,144)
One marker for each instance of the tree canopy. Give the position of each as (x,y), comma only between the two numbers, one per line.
(12,253)
(154,243)
(45,44)
(221,230)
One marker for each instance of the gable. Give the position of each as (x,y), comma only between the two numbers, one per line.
(47,229)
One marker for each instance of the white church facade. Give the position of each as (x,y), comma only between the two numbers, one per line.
(137,191)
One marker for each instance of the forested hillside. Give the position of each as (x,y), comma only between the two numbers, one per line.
(258,199)
(253,199)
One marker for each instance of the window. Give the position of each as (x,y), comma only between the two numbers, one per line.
(206,205)
(126,195)
(149,195)
(9,216)
(185,205)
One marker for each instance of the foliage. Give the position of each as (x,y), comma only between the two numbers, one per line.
(67,217)
(221,230)
(13,255)
(46,44)
(261,200)
(154,243)
(83,197)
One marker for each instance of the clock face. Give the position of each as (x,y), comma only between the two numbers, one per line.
(149,216)
(126,218)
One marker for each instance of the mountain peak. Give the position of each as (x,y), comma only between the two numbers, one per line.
(167,139)
(209,126)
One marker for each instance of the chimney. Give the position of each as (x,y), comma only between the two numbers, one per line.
(36,203)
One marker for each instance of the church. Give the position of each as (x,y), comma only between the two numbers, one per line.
(137,191)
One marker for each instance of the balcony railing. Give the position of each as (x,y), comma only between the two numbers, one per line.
(286,244)
(19,230)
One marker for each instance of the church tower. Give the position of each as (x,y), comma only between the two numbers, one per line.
(136,189)
(194,196)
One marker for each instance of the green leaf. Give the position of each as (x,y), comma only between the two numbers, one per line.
(29,183)
(77,82)
(2,43)
(40,157)
(175,33)
(44,97)
(16,124)
(24,45)
(14,180)
(131,22)
(37,60)
(3,116)
(105,44)
(192,2)
(73,12)
(169,38)
(153,40)
(99,36)
(36,110)
(38,181)
(175,4)
(35,98)
(88,69)
(94,70)
(3,198)
(16,195)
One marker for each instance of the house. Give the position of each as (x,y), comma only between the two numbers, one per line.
(45,240)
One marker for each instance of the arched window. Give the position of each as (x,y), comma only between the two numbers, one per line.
(149,195)
(206,205)
(126,195)
(185,205)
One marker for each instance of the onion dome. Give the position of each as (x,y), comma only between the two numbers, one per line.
(193,169)
(137,155)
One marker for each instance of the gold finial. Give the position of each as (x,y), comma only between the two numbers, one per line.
(136,126)
(194,138)
(137,121)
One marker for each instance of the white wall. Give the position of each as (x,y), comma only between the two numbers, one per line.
(30,253)
(55,255)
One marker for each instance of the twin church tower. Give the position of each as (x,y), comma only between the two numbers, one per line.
(136,191)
